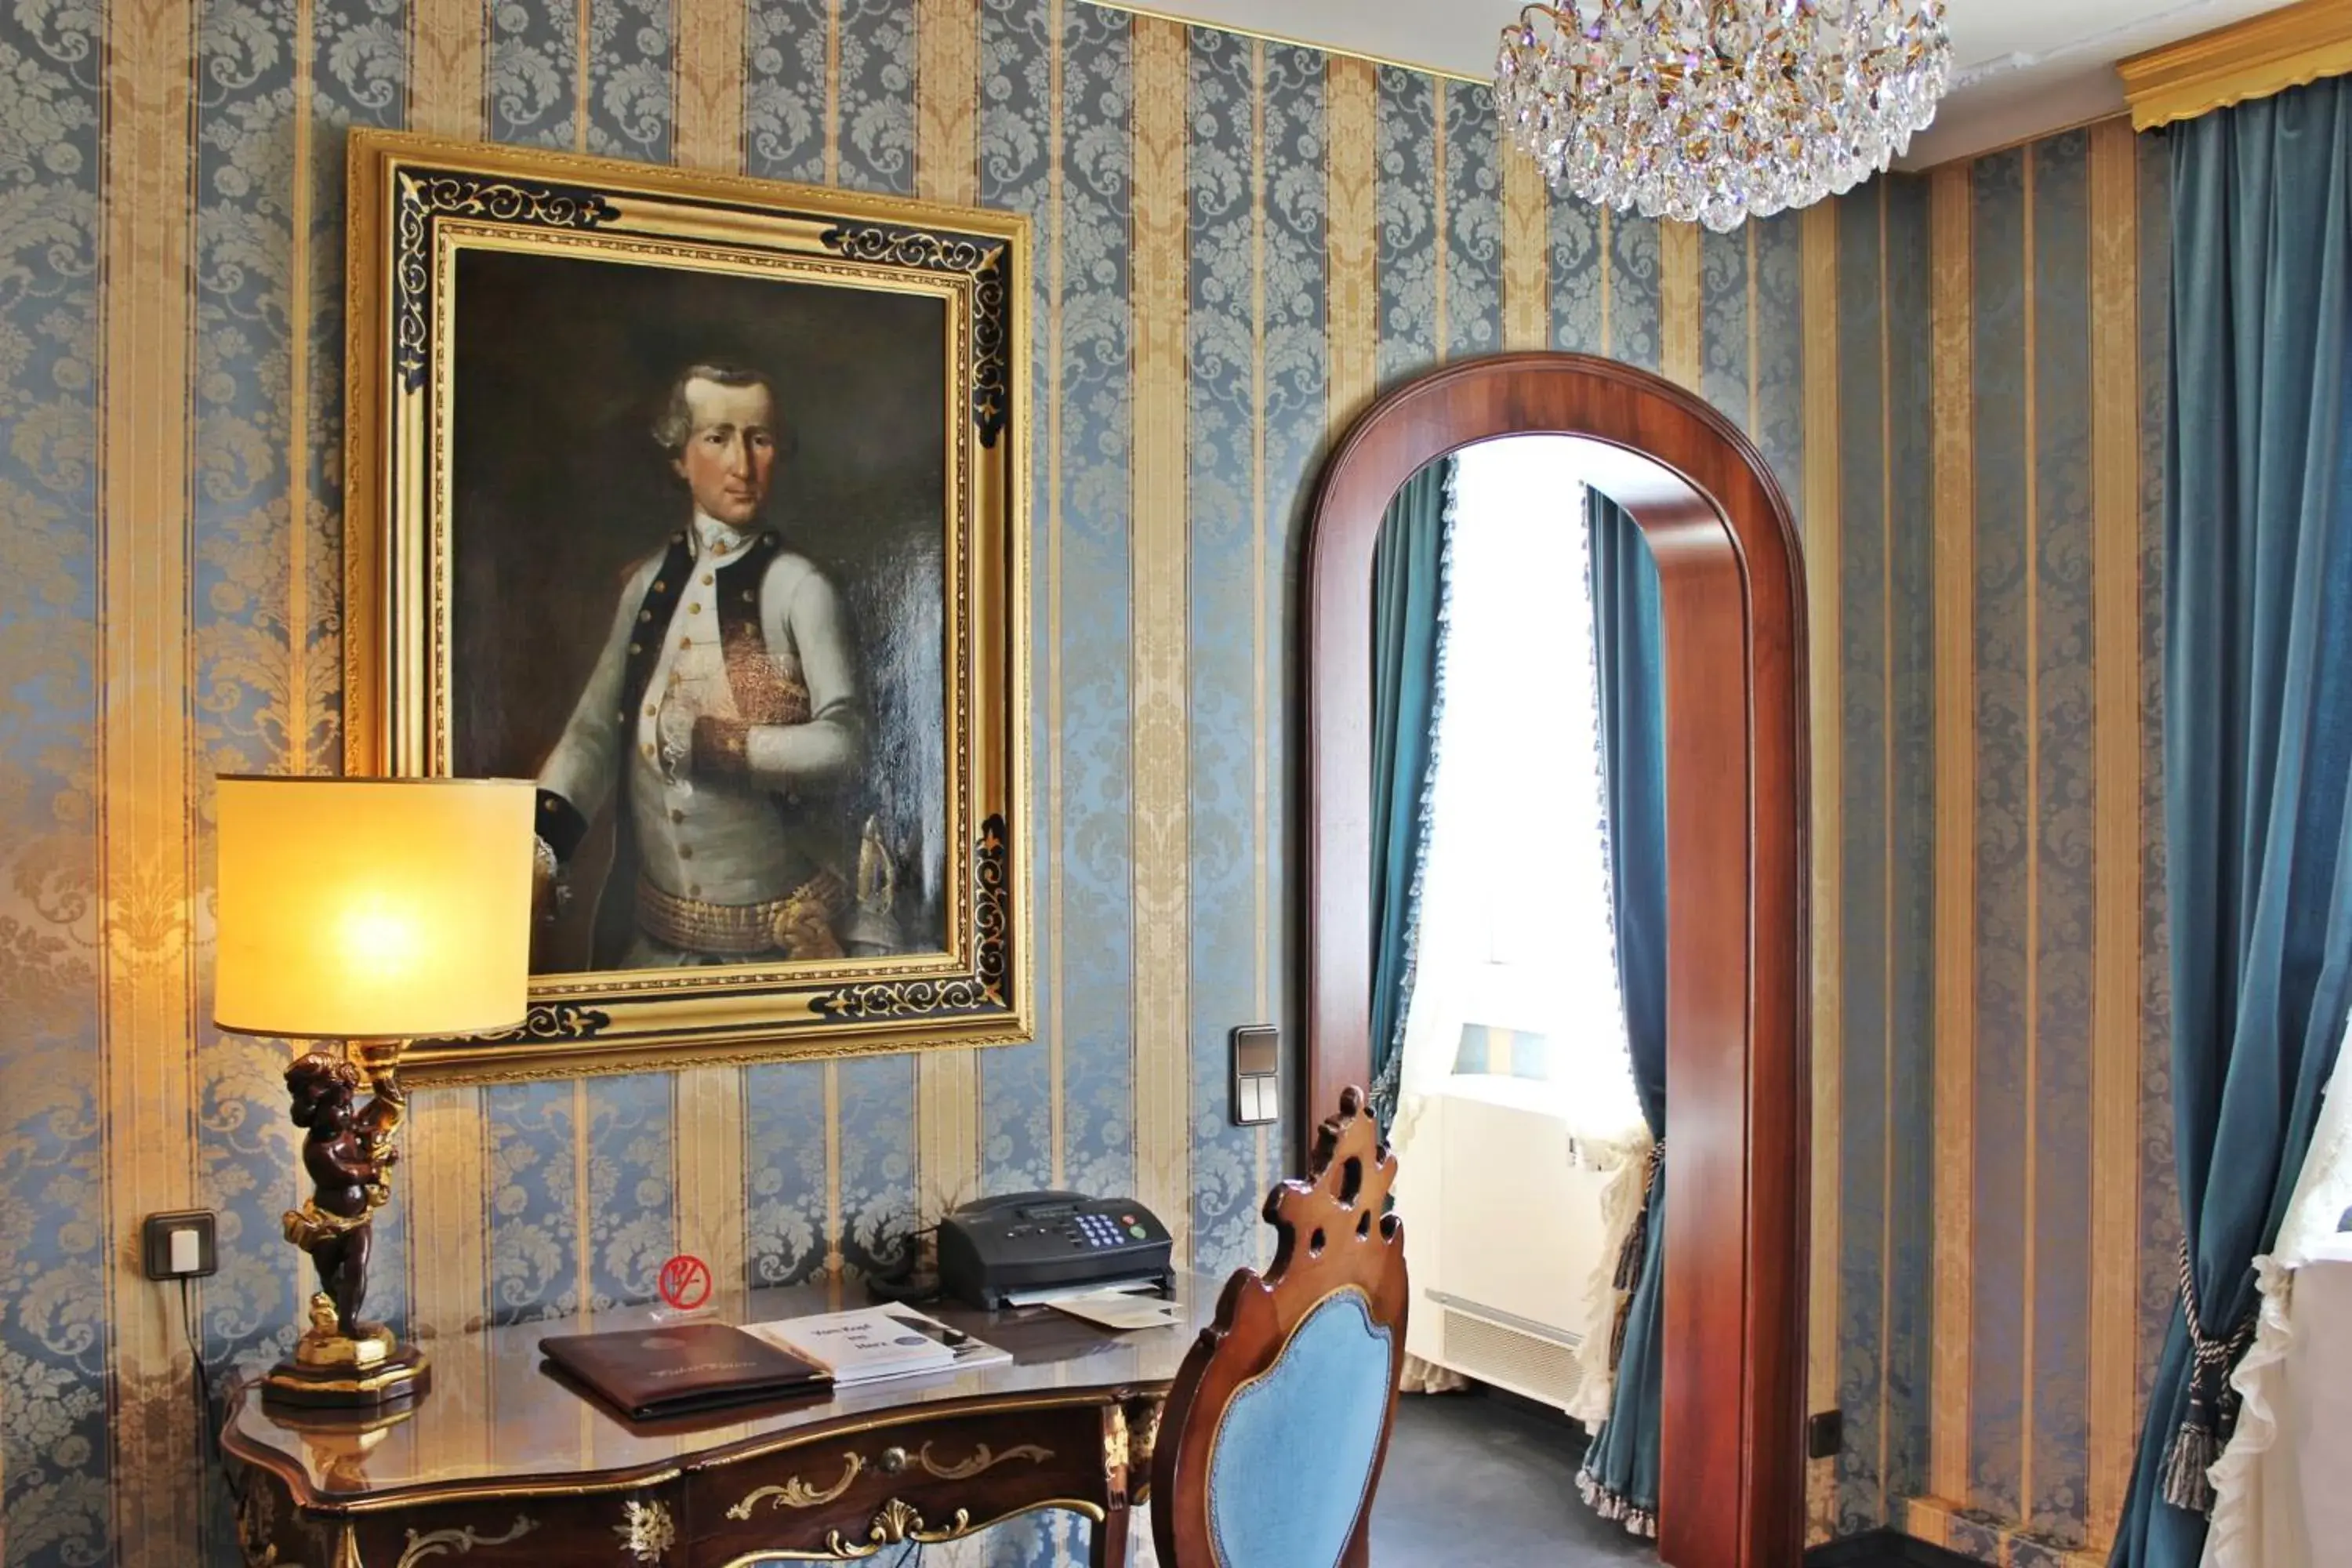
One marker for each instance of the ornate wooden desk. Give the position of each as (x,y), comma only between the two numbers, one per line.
(500,1464)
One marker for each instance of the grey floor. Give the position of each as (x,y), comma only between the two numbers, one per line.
(1477,1481)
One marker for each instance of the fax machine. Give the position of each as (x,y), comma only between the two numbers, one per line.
(999,1251)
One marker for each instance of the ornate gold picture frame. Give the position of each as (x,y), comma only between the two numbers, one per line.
(700,499)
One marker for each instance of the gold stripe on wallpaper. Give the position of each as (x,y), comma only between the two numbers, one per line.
(1262,631)
(445,71)
(444,1162)
(1441,240)
(947,100)
(1057,1119)
(1158,564)
(1822,569)
(1526,252)
(832,1076)
(947,169)
(2116,748)
(1351,311)
(708,1171)
(1952,307)
(583,1202)
(1680,310)
(448,1227)
(1755,332)
(2026,1369)
(1607,269)
(1923,1520)
(709,1174)
(144,836)
(447,1199)
(946,1130)
(832,92)
(709,84)
(583,33)
(1889,862)
(298,406)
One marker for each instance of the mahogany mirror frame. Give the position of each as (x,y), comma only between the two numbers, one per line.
(1731,1483)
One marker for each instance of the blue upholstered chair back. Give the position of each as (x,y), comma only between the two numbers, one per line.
(1271,1443)
(1293,1458)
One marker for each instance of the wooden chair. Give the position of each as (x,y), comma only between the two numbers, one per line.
(1271,1444)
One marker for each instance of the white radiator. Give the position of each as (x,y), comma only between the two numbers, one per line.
(1503,1233)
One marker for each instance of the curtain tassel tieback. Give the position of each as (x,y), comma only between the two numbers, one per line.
(2198,1445)
(1633,1255)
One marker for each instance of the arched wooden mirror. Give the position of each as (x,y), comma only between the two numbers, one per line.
(1731,595)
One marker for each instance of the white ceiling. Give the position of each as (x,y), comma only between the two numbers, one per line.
(2023,66)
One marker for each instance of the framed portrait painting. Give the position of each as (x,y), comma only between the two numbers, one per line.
(699,501)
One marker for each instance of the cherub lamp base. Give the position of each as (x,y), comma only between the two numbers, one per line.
(330,1369)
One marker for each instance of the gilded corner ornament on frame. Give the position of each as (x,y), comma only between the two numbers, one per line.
(701,502)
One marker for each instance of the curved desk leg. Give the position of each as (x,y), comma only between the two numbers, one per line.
(1110,1540)
(1126,1439)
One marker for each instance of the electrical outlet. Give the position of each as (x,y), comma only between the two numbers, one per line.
(1825,1435)
(179,1246)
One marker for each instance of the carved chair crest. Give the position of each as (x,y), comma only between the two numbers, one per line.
(1335,1239)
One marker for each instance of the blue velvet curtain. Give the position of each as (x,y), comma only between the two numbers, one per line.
(1621,1468)
(2258,731)
(1408,650)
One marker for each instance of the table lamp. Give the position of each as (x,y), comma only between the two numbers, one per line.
(372,912)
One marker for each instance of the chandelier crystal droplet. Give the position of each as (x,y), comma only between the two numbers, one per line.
(1719,111)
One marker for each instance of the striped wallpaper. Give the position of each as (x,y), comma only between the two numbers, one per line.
(1239,244)
(2026,1044)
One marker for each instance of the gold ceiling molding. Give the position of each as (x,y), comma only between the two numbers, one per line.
(2252,59)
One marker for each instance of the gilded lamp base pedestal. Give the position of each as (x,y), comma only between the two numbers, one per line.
(375,1371)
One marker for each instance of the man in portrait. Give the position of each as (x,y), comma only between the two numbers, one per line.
(723,723)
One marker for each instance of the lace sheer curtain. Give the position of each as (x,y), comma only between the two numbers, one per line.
(2256,1520)
(1515,914)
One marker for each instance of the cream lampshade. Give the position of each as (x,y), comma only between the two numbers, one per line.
(372,908)
(373,911)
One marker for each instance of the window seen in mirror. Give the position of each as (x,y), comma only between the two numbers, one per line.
(1515,933)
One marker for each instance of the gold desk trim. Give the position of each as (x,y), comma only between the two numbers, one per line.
(983,1459)
(438,1542)
(896,1515)
(2253,59)
(301,1493)
(645,1529)
(798,1493)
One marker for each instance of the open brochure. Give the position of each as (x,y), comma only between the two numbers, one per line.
(873,1342)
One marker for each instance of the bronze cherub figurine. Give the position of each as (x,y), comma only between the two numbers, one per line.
(348,1152)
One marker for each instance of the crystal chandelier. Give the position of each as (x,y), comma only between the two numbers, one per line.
(1719,109)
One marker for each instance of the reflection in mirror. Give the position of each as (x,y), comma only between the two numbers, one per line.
(1519,915)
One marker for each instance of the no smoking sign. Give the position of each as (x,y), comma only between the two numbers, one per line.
(686,1282)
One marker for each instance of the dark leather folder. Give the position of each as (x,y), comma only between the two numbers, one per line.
(680,1369)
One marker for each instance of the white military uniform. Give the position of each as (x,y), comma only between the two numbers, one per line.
(725,840)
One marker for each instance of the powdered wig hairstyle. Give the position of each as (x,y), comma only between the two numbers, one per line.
(676,422)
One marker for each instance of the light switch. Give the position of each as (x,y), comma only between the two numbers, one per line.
(1257,1074)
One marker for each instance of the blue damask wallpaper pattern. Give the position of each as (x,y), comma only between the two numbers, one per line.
(171,177)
